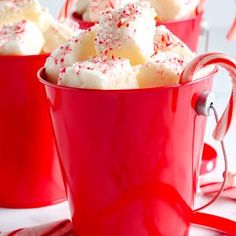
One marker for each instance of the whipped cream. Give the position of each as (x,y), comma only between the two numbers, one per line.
(164,40)
(127,32)
(58,33)
(162,69)
(23,38)
(79,48)
(99,73)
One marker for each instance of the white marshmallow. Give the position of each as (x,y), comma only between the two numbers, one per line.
(90,9)
(45,19)
(93,10)
(79,48)
(165,9)
(127,32)
(99,73)
(163,69)
(15,11)
(174,9)
(165,41)
(59,33)
(23,38)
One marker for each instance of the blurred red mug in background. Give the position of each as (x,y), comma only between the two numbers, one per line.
(29,169)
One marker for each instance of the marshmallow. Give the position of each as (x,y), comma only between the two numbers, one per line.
(165,9)
(15,11)
(59,33)
(174,9)
(90,9)
(79,48)
(127,32)
(165,41)
(23,38)
(45,19)
(162,69)
(99,73)
(94,8)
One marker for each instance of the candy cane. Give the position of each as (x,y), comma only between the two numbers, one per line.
(232,32)
(227,63)
(65,9)
(201,6)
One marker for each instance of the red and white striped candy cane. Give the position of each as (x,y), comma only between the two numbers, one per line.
(227,63)
(201,6)
(232,32)
(66,9)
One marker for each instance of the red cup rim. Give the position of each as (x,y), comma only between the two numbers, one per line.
(41,74)
(25,56)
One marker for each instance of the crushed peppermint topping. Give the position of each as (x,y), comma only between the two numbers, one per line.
(67,48)
(64,50)
(14,4)
(164,39)
(171,60)
(9,32)
(101,64)
(117,26)
(59,56)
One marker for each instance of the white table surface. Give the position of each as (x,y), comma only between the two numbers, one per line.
(11,219)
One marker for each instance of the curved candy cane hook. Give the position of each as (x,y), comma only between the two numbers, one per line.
(227,63)
(232,32)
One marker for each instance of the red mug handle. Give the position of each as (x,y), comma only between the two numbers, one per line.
(228,63)
(206,100)
(203,107)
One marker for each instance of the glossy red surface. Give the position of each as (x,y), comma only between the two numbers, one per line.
(83,24)
(29,168)
(209,159)
(130,158)
(188,30)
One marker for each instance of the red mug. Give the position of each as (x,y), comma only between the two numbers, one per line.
(130,158)
(29,170)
